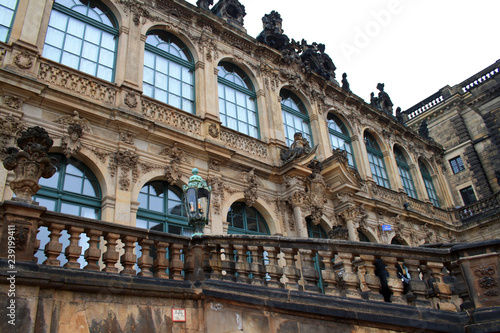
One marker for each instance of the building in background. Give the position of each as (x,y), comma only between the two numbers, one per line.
(135,94)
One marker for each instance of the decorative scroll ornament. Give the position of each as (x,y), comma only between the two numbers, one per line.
(29,164)
(75,120)
(127,137)
(140,14)
(177,156)
(13,102)
(230,10)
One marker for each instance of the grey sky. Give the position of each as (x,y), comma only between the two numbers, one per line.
(414,47)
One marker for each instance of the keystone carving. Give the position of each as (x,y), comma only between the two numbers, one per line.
(75,120)
(71,143)
(177,156)
(127,161)
(250,192)
(29,164)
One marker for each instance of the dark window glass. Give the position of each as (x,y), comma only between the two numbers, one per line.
(468,195)
(246,220)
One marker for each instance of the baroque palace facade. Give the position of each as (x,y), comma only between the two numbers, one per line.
(135,94)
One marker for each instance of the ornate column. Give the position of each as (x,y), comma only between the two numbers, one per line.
(349,216)
(297,200)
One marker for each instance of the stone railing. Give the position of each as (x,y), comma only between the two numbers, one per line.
(380,192)
(244,143)
(350,270)
(78,82)
(479,209)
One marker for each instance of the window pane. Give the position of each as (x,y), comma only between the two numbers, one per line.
(72,184)
(70,209)
(92,34)
(105,73)
(76,28)
(174,86)
(70,60)
(91,213)
(48,203)
(89,188)
(58,20)
(108,41)
(106,58)
(90,51)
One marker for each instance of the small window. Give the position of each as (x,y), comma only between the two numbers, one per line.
(468,195)
(457,164)
(7,11)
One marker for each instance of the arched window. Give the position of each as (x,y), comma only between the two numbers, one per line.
(161,208)
(7,10)
(362,237)
(243,219)
(339,137)
(74,190)
(404,173)
(237,100)
(316,231)
(376,159)
(168,71)
(83,34)
(429,186)
(295,118)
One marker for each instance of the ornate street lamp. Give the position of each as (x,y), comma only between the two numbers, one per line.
(197,202)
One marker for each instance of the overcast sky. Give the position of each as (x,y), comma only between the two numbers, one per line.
(415,47)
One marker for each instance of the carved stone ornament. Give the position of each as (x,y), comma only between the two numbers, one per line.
(204,4)
(29,164)
(316,191)
(253,182)
(13,102)
(23,60)
(75,120)
(21,237)
(217,192)
(130,100)
(338,232)
(71,142)
(214,165)
(213,130)
(140,14)
(127,137)
(10,126)
(127,161)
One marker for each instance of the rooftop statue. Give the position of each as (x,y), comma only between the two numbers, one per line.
(384,101)
(399,116)
(204,4)
(230,10)
(374,101)
(345,83)
(312,56)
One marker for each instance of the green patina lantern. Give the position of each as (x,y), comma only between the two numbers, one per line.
(197,202)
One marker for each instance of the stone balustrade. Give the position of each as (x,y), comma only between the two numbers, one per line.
(481,208)
(351,270)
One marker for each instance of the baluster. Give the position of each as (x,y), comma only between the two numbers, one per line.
(417,294)
(271,267)
(329,277)
(309,272)
(372,281)
(145,262)
(349,276)
(73,251)
(215,262)
(129,258)
(93,253)
(394,282)
(228,263)
(256,265)
(111,256)
(54,247)
(176,263)
(161,261)
(461,296)
(441,289)
(290,270)
(241,264)
(360,268)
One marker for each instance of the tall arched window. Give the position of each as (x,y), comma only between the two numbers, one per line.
(429,186)
(243,219)
(161,208)
(168,71)
(376,159)
(339,137)
(295,118)
(404,173)
(7,10)
(83,34)
(237,100)
(74,190)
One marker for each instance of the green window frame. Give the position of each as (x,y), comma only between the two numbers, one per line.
(8,10)
(429,185)
(83,35)
(237,100)
(74,190)
(404,173)
(161,208)
(246,220)
(169,71)
(340,138)
(376,159)
(295,118)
